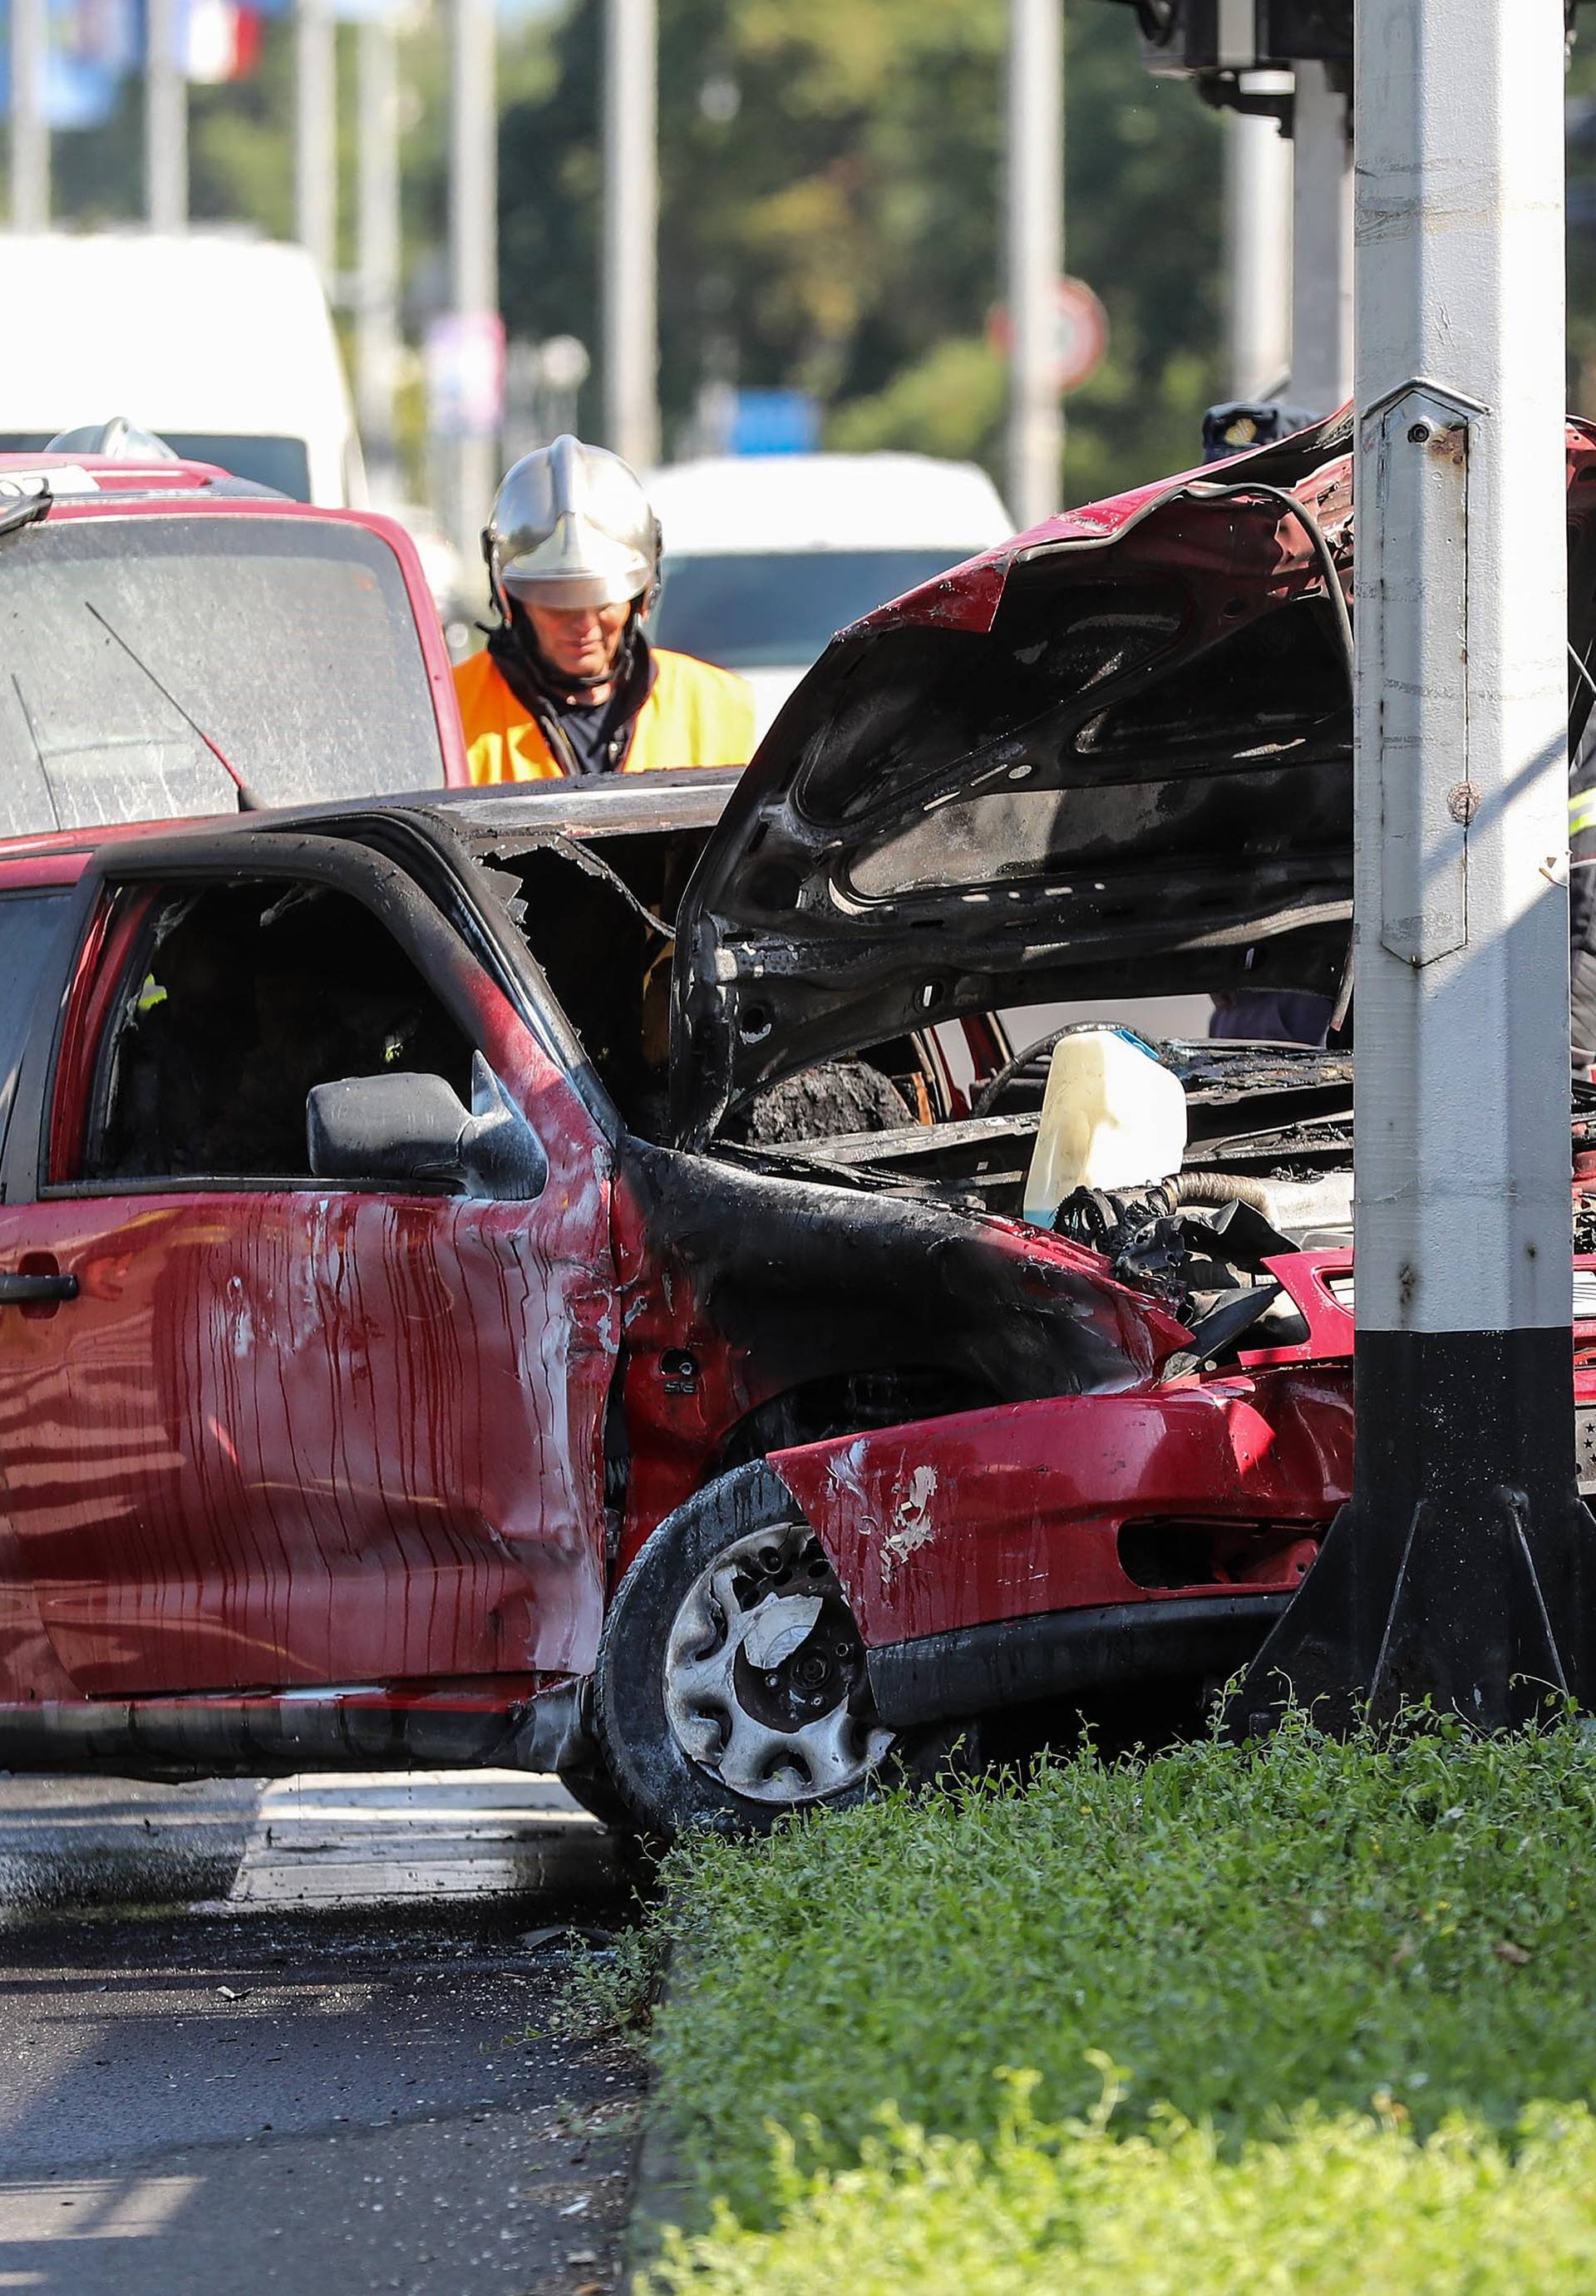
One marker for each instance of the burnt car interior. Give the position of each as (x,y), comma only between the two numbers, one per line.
(1111,750)
(239,998)
(598,917)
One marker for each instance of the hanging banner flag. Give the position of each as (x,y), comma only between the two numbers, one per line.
(78,94)
(93,45)
(463,356)
(221,41)
(106,34)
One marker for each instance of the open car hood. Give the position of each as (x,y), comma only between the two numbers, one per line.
(1111,758)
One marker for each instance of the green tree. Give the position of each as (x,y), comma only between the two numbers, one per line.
(1582,223)
(831,217)
(832,200)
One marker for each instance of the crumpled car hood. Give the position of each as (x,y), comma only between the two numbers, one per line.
(1112,757)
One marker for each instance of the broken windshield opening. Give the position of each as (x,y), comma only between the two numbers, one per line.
(598,920)
(291,640)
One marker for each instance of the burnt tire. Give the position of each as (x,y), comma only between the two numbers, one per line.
(730,1685)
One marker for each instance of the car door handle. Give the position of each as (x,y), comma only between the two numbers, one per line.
(21,1290)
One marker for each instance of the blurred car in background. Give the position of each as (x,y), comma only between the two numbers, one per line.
(221,343)
(767,556)
(169,632)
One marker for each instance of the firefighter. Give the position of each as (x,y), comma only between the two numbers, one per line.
(568,684)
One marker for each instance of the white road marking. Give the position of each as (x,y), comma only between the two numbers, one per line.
(356,1838)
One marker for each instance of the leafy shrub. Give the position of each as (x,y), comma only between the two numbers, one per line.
(1335,2208)
(1407,1926)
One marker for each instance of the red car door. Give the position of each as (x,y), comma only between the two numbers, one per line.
(284,1433)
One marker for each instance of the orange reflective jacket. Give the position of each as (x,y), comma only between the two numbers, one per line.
(694,715)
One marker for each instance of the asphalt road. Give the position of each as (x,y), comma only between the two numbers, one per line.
(338,2073)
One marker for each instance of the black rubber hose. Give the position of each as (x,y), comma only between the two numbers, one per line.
(1208,1190)
(1093,1216)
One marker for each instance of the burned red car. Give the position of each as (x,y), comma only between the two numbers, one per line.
(438,1323)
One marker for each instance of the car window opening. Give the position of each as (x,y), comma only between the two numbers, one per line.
(608,967)
(240,999)
(602,940)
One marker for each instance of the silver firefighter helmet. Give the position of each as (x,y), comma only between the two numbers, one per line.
(571,526)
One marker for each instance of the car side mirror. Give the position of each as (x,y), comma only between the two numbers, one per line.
(404,1129)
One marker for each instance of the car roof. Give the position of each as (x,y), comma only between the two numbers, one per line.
(826,501)
(630,804)
(91,482)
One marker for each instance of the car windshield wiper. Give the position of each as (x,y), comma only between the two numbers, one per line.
(248,802)
(25,512)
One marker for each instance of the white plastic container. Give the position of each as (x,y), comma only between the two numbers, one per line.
(1113,1117)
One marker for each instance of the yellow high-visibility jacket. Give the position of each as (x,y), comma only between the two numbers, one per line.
(692,715)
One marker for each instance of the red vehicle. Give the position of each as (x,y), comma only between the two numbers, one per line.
(437,1327)
(158,613)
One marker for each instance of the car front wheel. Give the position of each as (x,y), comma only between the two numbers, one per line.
(730,1684)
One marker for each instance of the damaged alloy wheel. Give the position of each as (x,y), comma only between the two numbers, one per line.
(765,1681)
(730,1682)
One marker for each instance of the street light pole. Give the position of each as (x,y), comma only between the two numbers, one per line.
(473,240)
(1461,1570)
(1321,237)
(1036,233)
(630,285)
(165,119)
(1258,231)
(30,126)
(377,316)
(316,133)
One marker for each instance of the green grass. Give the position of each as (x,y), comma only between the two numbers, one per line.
(1342,1981)
(1342,2209)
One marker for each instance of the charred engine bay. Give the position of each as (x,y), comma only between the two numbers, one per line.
(1269,1127)
(1265,1114)
(1268,1170)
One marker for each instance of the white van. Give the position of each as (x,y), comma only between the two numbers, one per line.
(220,343)
(766,556)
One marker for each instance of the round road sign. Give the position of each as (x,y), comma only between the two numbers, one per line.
(1080,334)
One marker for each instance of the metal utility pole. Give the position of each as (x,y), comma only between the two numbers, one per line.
(1036,256)
(474,248)
(1322,303)
(1258,231)
(630,287)
(166,119)
(1462,1569)
(377,315)
(30,126)
(315,132)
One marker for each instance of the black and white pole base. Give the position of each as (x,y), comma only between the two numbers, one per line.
(1464,1569)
